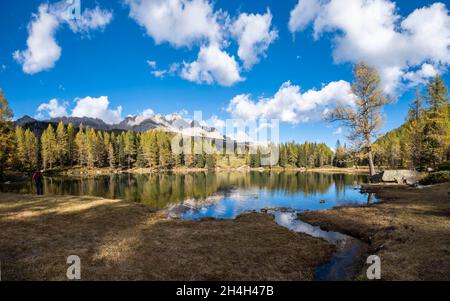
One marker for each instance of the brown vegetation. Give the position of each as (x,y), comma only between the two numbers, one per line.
(119,240)
(409,230)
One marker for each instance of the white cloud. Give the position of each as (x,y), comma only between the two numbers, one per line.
(303,13)
(419,76)
(151,64)
(42,49)
(173,69)
(52,108)
(147,113)
(338,131)
(372,31)
(212,65)
(189,23)
(290,105)
(254,35)
(97,108)
(178,22)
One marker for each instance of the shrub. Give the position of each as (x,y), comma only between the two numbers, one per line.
(436,178)
(444,166)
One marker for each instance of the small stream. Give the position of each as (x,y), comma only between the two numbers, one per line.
(343,264)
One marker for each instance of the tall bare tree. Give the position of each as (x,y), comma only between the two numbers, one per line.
(364,119)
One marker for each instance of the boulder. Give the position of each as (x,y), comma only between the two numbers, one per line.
(400,176)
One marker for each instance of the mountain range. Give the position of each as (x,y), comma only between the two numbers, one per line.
(174,123)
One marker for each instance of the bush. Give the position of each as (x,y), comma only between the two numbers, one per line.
(444,166)
(436,178)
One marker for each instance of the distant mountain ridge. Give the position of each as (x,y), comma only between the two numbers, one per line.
(170,123)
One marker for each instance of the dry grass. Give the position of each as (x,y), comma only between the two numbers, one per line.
(409,230)
(119,240)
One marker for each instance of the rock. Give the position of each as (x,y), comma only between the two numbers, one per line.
(401,176)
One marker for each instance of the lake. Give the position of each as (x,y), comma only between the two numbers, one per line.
(214,194)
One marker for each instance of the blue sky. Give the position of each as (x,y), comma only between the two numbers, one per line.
(309,44)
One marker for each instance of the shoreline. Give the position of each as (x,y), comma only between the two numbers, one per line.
(77,171)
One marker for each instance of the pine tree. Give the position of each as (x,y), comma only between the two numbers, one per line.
(415,130)
(6,134)
(120,145)
(283,161)
(32,149)
(150,151)
(81,147)
(49,147)
(111,156)
(61,144)
(71,146)
(165,153)
(20,149)
(130,147)
(436,123)
(91,147)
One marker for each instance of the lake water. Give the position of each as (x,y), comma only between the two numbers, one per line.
(214,194)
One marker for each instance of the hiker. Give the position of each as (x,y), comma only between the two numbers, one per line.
(38,179)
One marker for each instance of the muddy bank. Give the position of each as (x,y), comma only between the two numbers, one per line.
(119,240)
(409,228)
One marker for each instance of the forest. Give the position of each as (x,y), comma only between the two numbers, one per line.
(423,141)
(64,146)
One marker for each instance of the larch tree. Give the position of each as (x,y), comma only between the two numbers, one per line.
(415,130)
(436,123)
(130,147)
(6,133)
(364,120)
(71,146)
(32,150)
(81,147)
(61,144)
(20,152)
(49,147)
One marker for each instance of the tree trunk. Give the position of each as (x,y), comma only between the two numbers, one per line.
(371,166)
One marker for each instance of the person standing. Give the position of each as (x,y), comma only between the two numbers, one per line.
(38,180)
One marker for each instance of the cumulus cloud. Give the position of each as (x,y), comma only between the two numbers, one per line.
(254,35)
(42,49)
(374,32)
(178,22)
(212,65)
(290,105)
(52,108)
(195,23)
(97,108)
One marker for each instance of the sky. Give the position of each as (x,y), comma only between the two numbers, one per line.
(288,60)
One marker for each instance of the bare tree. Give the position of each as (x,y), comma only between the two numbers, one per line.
(364,119)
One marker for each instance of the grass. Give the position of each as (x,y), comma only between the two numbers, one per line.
(119,240)
(409,230)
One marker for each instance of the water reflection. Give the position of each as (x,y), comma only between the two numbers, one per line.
(213,194)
